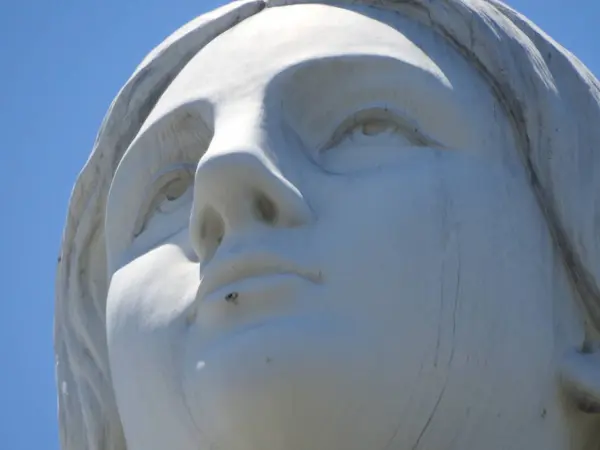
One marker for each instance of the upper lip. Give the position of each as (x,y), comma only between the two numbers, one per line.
(220,273)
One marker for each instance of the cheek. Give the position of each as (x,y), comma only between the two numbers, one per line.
(449,257)
(146,328)
(146,312)
(154,289)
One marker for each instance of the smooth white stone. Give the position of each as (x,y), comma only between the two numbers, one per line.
(308,226)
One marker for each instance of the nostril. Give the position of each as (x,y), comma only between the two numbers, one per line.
(265,210)
(212,229)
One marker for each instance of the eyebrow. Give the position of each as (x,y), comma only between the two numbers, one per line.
(183,123)
(175,132)
(402,82)
(170,137)
(328,70)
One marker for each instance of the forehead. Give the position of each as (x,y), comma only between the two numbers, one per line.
(246,58)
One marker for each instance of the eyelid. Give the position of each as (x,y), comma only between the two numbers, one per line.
(159,181)
(411,130)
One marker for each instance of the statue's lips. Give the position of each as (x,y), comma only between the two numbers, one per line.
(227,278)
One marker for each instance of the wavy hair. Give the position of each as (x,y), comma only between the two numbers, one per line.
(551,98)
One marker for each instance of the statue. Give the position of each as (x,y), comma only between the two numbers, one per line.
(352,226)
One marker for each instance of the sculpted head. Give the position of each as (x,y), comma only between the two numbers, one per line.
(368,225)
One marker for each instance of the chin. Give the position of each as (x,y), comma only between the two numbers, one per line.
(303,384)
(310,384)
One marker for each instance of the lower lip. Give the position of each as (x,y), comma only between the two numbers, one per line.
(276,283)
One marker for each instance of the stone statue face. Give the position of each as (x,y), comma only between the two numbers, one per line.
(334,247)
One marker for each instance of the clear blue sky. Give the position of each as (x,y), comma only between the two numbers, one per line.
(61,64)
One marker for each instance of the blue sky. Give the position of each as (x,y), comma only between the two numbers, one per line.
(61,64)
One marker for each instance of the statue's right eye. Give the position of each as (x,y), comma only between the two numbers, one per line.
(169,192)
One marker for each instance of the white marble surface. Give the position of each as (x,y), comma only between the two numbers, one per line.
(338,227)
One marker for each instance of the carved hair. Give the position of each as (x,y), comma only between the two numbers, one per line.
(552,100)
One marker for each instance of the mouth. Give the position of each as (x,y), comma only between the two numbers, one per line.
(226,279)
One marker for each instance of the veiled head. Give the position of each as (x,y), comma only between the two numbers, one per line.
(338,226)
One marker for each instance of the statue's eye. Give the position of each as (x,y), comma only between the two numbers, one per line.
(170,191)
(173,191)
(373,127)
(369,125)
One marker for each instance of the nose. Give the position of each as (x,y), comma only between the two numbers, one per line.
(239,190)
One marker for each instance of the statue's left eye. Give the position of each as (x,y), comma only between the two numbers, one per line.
(376,126)
(378,122)
(173,191)
(170,191)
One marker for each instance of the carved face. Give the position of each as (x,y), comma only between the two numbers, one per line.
(323,238)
